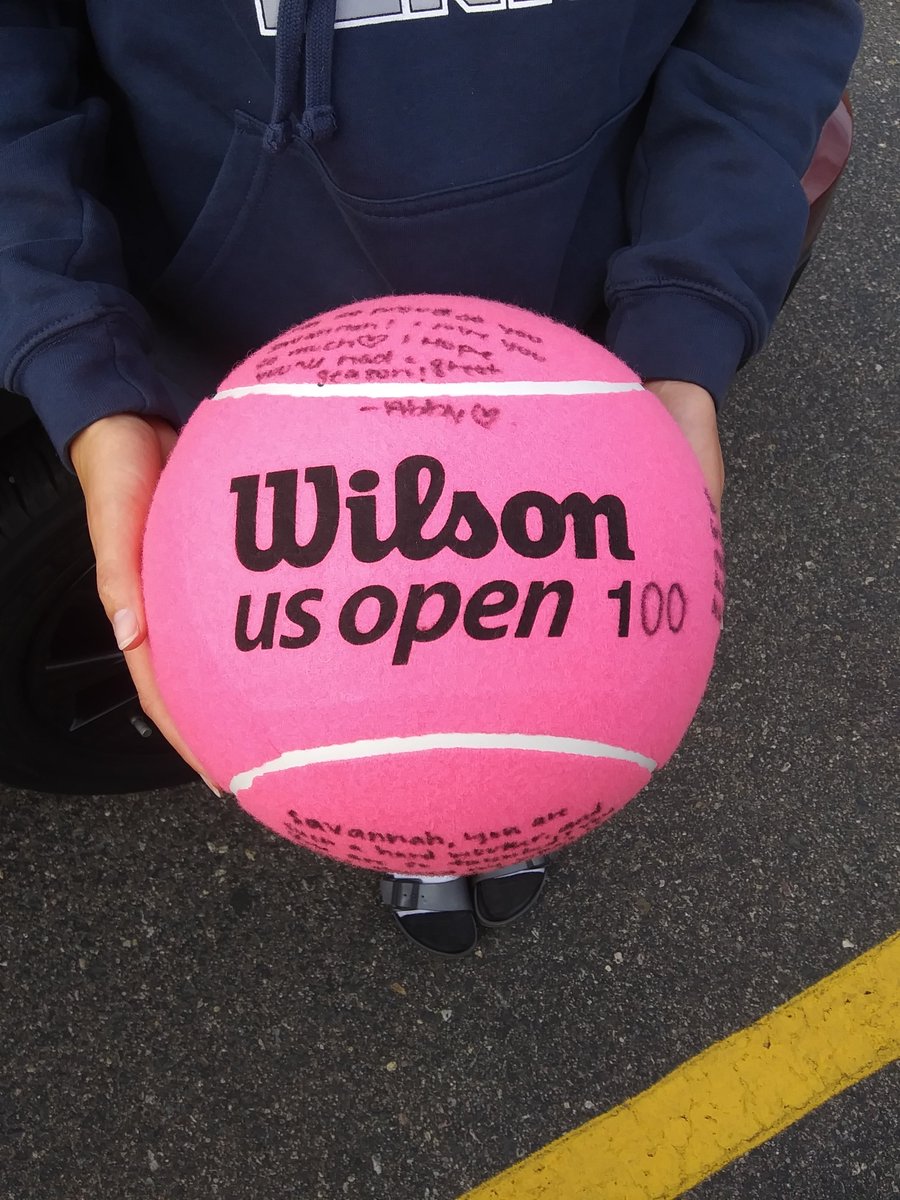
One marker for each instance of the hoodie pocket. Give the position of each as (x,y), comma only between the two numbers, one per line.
(278,240)
(540,237)
(268,249)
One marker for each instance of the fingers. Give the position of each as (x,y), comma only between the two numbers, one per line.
(693,408)
(141,668)
(118,461)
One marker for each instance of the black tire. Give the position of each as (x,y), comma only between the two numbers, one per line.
(70,721)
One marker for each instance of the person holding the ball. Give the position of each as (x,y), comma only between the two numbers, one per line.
(181,183)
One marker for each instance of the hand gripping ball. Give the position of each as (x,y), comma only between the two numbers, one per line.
(432,584)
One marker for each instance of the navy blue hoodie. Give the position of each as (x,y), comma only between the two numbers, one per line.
(178,183)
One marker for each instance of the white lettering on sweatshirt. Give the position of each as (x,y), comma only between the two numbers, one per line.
(376,12)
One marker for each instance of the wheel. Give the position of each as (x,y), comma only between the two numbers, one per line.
(70,720)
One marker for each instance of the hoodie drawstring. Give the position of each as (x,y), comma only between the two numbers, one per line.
(318,122)
(303,25)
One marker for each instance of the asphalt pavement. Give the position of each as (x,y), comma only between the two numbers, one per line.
(194,1008)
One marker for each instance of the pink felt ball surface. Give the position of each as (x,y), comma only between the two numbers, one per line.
(432,584)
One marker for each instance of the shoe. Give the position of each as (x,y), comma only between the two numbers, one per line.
(502,896)
(446,927)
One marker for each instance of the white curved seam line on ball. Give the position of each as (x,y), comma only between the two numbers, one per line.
(411,391)
(381,747)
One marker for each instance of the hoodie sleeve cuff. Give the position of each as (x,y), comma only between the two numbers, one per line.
(667,334)
(89,372)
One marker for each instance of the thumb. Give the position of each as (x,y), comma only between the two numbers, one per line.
(118,461)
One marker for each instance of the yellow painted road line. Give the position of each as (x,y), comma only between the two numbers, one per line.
(727,1100)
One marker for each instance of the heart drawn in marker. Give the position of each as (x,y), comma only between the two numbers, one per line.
(485,417)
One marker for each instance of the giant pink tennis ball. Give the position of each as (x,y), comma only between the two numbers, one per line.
(432,584)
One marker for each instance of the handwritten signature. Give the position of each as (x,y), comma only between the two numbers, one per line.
(481,415)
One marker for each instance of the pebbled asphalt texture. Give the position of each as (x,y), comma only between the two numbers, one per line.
(194,1008)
